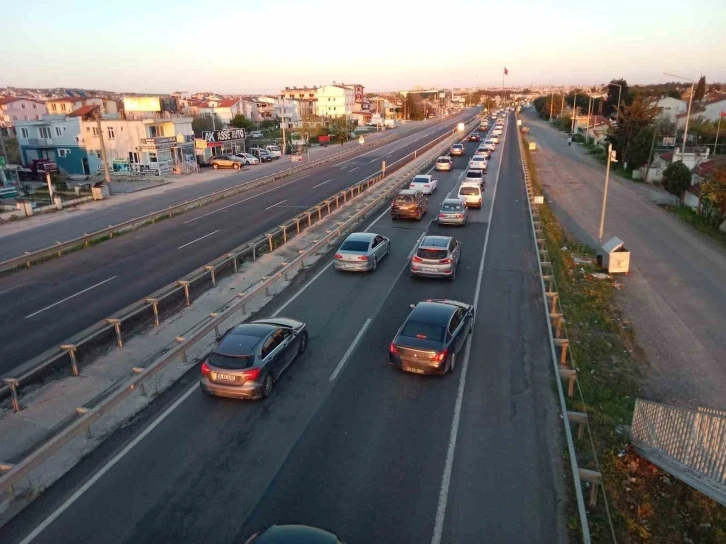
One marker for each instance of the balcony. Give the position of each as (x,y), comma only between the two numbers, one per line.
(40,142)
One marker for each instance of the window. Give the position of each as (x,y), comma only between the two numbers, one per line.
(152,157)
(35,106)
(44,132)
(110,133)
(22,105)
(63,107)
(133,157)
(15,117)
(156,131)
(58,131)
(454,323)
(64,152)
(95,131)
(24,133)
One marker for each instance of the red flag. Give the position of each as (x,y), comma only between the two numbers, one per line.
(723,114)
(506,72)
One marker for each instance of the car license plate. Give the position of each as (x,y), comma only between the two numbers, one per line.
(429,269)
(414,370)
(227,377)
(348,266)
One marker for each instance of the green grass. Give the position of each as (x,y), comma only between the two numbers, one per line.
(697,222)
(646,504)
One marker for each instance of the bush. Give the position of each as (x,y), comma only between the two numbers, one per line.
(579,138)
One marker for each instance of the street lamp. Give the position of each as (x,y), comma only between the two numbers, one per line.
(688,114)
(620,90)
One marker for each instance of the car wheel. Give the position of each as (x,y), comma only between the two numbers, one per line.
(452,362)
(453,273)
(388,249)
(375,264)
(215,166)
(267,385)
(235,166)
(303,343)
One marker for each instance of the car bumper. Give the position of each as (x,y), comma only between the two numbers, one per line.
(416,367)
(443,168)
(456,153)
(251,390)
(451,220)
(434,272)
(404,215)
(362,266)
(473,203)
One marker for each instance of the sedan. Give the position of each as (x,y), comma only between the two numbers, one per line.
(361,252)
(490,145)
(285,534)
(424,183)
(457,150)
(483,150)
(445,164)
(474,137)
(432,337)
(251,357)
(453,212)
(437,257)
(248,158)
(478,162)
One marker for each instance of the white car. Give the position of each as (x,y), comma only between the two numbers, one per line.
(256,134)
(478,162)
(483,149)
(497,132)
(424,183)
(490,145)
(248,158)
(494,138)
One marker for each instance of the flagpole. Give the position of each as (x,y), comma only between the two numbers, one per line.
(718,128)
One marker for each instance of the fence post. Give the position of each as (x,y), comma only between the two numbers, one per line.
(234,261)
(117,326)
(71,349)
(12,384)
(185,284)
(210,269)
(155,305)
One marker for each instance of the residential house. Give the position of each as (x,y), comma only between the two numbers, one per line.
(66,105)
(669,108)
(150,107)
(705,111)
(594,125)
(359,97)
(251,111)
(702,172)
(266,106)
(335,101)
(225,109)
(692,158)
(307,97)
(288,111)
(14,109)
(56,138)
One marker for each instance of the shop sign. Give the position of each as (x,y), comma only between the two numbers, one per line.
(158,143)
(224,135)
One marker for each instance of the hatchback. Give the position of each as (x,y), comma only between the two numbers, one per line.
(457,149)
(251,357)
(474,175)
(410,204)
(248,158)
(432,337)
(483,150)
(490,145)
(361,251)
(453,212)
(437,257)
(444,164)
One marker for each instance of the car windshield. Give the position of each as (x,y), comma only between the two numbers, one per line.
(428,253)
(457,146)
(424,331)
(451,207)
(354,245)
(469,191)
(404,199)
(238,362)
(274,148)
(442,160)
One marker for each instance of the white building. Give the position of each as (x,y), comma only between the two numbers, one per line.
(251,111)
(225,109)
(288,111)
(67,105)
(335,101)
(19,109)
(669,108)
(708,111)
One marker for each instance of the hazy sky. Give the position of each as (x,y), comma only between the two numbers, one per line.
(262,46)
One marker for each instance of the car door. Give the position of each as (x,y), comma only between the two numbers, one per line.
(453,332)
(424,202)
(376,245)
(273,359)
(288,345)
(455,250)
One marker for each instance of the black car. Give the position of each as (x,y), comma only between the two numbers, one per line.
(474,137)
(250,357)
(261,154)
(293,534)
(432,337)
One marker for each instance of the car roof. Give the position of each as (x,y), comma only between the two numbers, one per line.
(457,145)
(452,201)
(422,176)
(243,340)
(361,237)
(299,534)
(443,158)
(435,313)
(435,241)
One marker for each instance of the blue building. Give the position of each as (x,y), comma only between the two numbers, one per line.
(56,138)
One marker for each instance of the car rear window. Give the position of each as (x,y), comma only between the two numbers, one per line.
(451,207)
(419,180)
(404,199)
(474,174)
(354,245)
(469,191)
(231,363)
(457,146)
(426,253)
(424,331)
(442,160)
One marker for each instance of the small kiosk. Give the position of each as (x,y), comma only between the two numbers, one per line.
(616,257)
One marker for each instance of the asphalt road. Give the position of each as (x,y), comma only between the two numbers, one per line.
(347,442)
(675,294)
(119,209)
(45,305)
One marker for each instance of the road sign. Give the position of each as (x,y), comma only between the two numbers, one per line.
(297,158)
(361,140)
(539,200)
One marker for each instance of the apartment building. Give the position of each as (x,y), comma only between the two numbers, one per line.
(15,109)
(336,101)
(306,97)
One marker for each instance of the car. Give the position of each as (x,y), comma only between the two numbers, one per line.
(491,146)
(251,357)
(457,150)
(273,151)
(289,534)
(425,183)
(361,251)
(248,158)
(471,193)
(494,138)
(432,337)
(436,256)
(256,134)
(226,161)
(496,132)
(453,212)
(409,204)
(478,162)
(483,127)
(483,150)
(474,137)
(474,175)
(261,154)
(444,164)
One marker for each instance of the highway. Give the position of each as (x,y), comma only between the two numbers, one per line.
(346,442)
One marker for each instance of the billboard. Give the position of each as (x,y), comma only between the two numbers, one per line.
(142,103)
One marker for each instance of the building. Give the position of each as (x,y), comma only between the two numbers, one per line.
(335,101)
(358,92)
(225,109)
(58,139)
(288,112)
(669,108)
(150,107)
(307,98)
(265,106)
(428,94)
(706,111)
(14,109)
(67,105)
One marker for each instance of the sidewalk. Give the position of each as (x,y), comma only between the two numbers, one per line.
(675,294)
(138,198)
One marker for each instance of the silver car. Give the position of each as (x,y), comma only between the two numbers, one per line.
(453,212)
(361,252)
(436,257)
(444,164)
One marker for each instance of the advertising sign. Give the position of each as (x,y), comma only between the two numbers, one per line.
(224,135)
(142,103)
(161,142)
(297,158)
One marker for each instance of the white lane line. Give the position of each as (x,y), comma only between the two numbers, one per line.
(350,351)
(377,219)
(354,168)
(270,207)
(302,289)
(323,183)
(415,247)
(11,288)
(202,238)
(108,466)
(377,159)
(70,297)
(449,465)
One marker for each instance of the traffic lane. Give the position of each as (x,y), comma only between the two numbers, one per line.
(506,483)
(371,459)
(149,495)
(138,264)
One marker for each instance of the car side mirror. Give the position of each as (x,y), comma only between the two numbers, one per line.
(412,306)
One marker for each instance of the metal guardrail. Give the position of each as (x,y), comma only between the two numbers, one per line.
(180,293)
(41,255)
(562,370)
(689,444)
(82,419)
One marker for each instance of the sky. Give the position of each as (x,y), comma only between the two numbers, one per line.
(245,47)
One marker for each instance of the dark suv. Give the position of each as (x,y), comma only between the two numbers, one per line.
(261,154)
(409,204)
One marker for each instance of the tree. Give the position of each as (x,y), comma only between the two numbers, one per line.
(632,120)
(206,122)
(700,91)
(713,198)
(240,121)
(639,149)
(676,179)
(674,93)
(269,123)
(611,102)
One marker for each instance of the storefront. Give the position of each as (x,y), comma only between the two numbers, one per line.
(157,156)
(219,142)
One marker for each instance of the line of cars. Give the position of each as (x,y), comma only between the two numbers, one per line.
(255,156)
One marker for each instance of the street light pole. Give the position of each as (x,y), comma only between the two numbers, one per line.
(574,112)
(688,114)
(605,195)
(552,102)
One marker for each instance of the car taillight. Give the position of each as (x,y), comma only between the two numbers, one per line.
(363,258)
(251,375)
(417,259)
(442,215)
(338,256)
(445,261)
(393,349)
(440,356)
(205,369)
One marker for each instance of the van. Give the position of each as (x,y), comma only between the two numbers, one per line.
(274,151)
(471,193)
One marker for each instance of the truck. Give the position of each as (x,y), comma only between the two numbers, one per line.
(274,151)
(376,120)
(37,170)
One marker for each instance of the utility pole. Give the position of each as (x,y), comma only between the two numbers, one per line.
(718,129)
(605,194)
(106,173)
(552,102)
(562,107)
(574,112)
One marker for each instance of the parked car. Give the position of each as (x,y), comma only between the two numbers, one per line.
(226,161)
(250,357)
(247,158)
(256,134)
(274,151)
(425,183)
(361,251)
(457,150)
(436,256)
(472,194)
(453,212)
(409,204)
(432,337)
(261,154)
(444,164)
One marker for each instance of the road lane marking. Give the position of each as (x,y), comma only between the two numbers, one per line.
(323,183)
(302,289)
(350,351)
(270,207)
(451,451)
(108,466)
(70,297)
(202,238)
(377,219)
(354,168)
(14,287)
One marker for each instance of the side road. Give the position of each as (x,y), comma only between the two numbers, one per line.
(675,294)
